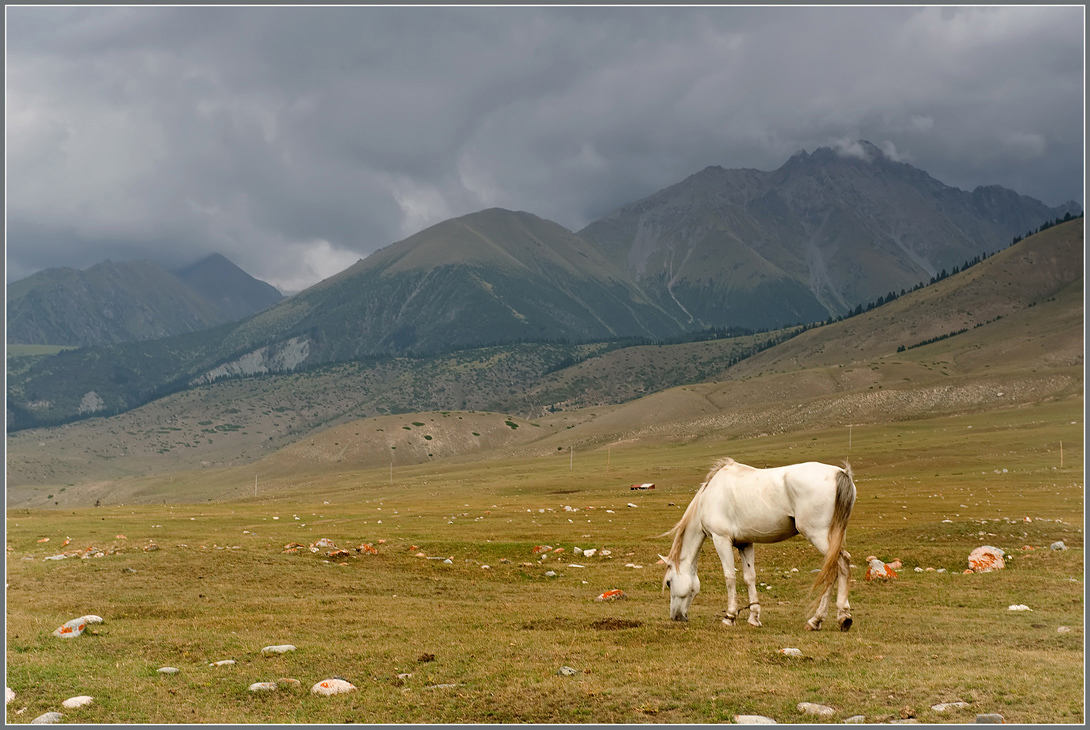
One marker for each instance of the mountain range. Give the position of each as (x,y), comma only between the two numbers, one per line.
(823,234)
(113,302)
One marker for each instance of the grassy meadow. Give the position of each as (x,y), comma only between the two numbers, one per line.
(485,644)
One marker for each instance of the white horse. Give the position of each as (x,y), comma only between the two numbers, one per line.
(738,505)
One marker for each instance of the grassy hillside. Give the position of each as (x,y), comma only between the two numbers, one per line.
(849,372)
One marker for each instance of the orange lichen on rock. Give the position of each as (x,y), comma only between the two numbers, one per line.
(541,549)
(367,549)
(985,559)
(611,595)
(876,569)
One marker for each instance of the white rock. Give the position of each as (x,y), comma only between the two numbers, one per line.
(222,663)
(1019,607)
(278,649)
(575,565)
(92,619)
(167,670)
(73,703)
(790,651)
(10,695)
(632,505)
(332,687)
(753,720)
(1058,545)
(856,720)
(263,686)
(589,553)
(1059,630)
(53,557)
(567,672)
(47,719)
(577,551)
(550,574)
(70,629)
(944,706)
(810,708)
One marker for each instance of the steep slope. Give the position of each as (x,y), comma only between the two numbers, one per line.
(234,292)
(492,276)
(129,301)
(823,233)
(107,303)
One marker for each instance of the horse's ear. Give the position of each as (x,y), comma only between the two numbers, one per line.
(666,560)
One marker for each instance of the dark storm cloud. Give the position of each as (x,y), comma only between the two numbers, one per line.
(296,140)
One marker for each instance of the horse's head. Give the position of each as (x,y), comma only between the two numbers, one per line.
(683,589)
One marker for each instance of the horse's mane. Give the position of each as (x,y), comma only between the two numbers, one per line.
(678,530)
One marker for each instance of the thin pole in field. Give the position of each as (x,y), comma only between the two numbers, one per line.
(849,438)
(255,483)
(1061,454)
(571,457)
(609,450)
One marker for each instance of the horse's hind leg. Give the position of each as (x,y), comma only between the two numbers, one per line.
(749,572)
(821,542)
(843,608)
(725,548)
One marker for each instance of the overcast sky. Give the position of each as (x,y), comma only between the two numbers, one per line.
(296,140)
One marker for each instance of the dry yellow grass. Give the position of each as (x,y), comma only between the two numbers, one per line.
(500,634)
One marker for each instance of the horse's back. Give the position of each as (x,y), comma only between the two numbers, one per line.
(769,505)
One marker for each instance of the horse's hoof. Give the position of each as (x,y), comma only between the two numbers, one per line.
(753,622)
(846,623)
(728,621)
(813,626)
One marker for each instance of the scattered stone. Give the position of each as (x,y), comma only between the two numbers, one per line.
(550,573)
(73,703)
(895,564)
(1058,545)
(278,649)
(904,721)
(876,569)
(611,595)
(167,670)
(150,548)
(47,719)
(324,542)
(55,557)
(263,686)
(567,672)
(917,569)
(426,657)
(441,686)
(9,694)
(70,629)
(791,651)
(632,505)
(810,708)
(986,558)
(856,720)
(289,682)
(329,687)
(990,717)
(1019,607)
(222,663)
(92,619)
(753,720)
(541,549)
(944,706)
(405,675)
(1063,630)
(907,713)
(127,570)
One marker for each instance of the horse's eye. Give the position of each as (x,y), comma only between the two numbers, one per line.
(667,584)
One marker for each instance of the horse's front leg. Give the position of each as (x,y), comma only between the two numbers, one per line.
(749,572)
(725,548)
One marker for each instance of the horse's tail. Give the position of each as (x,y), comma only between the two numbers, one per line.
(842,510)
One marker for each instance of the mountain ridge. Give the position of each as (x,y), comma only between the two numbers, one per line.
(112,302)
